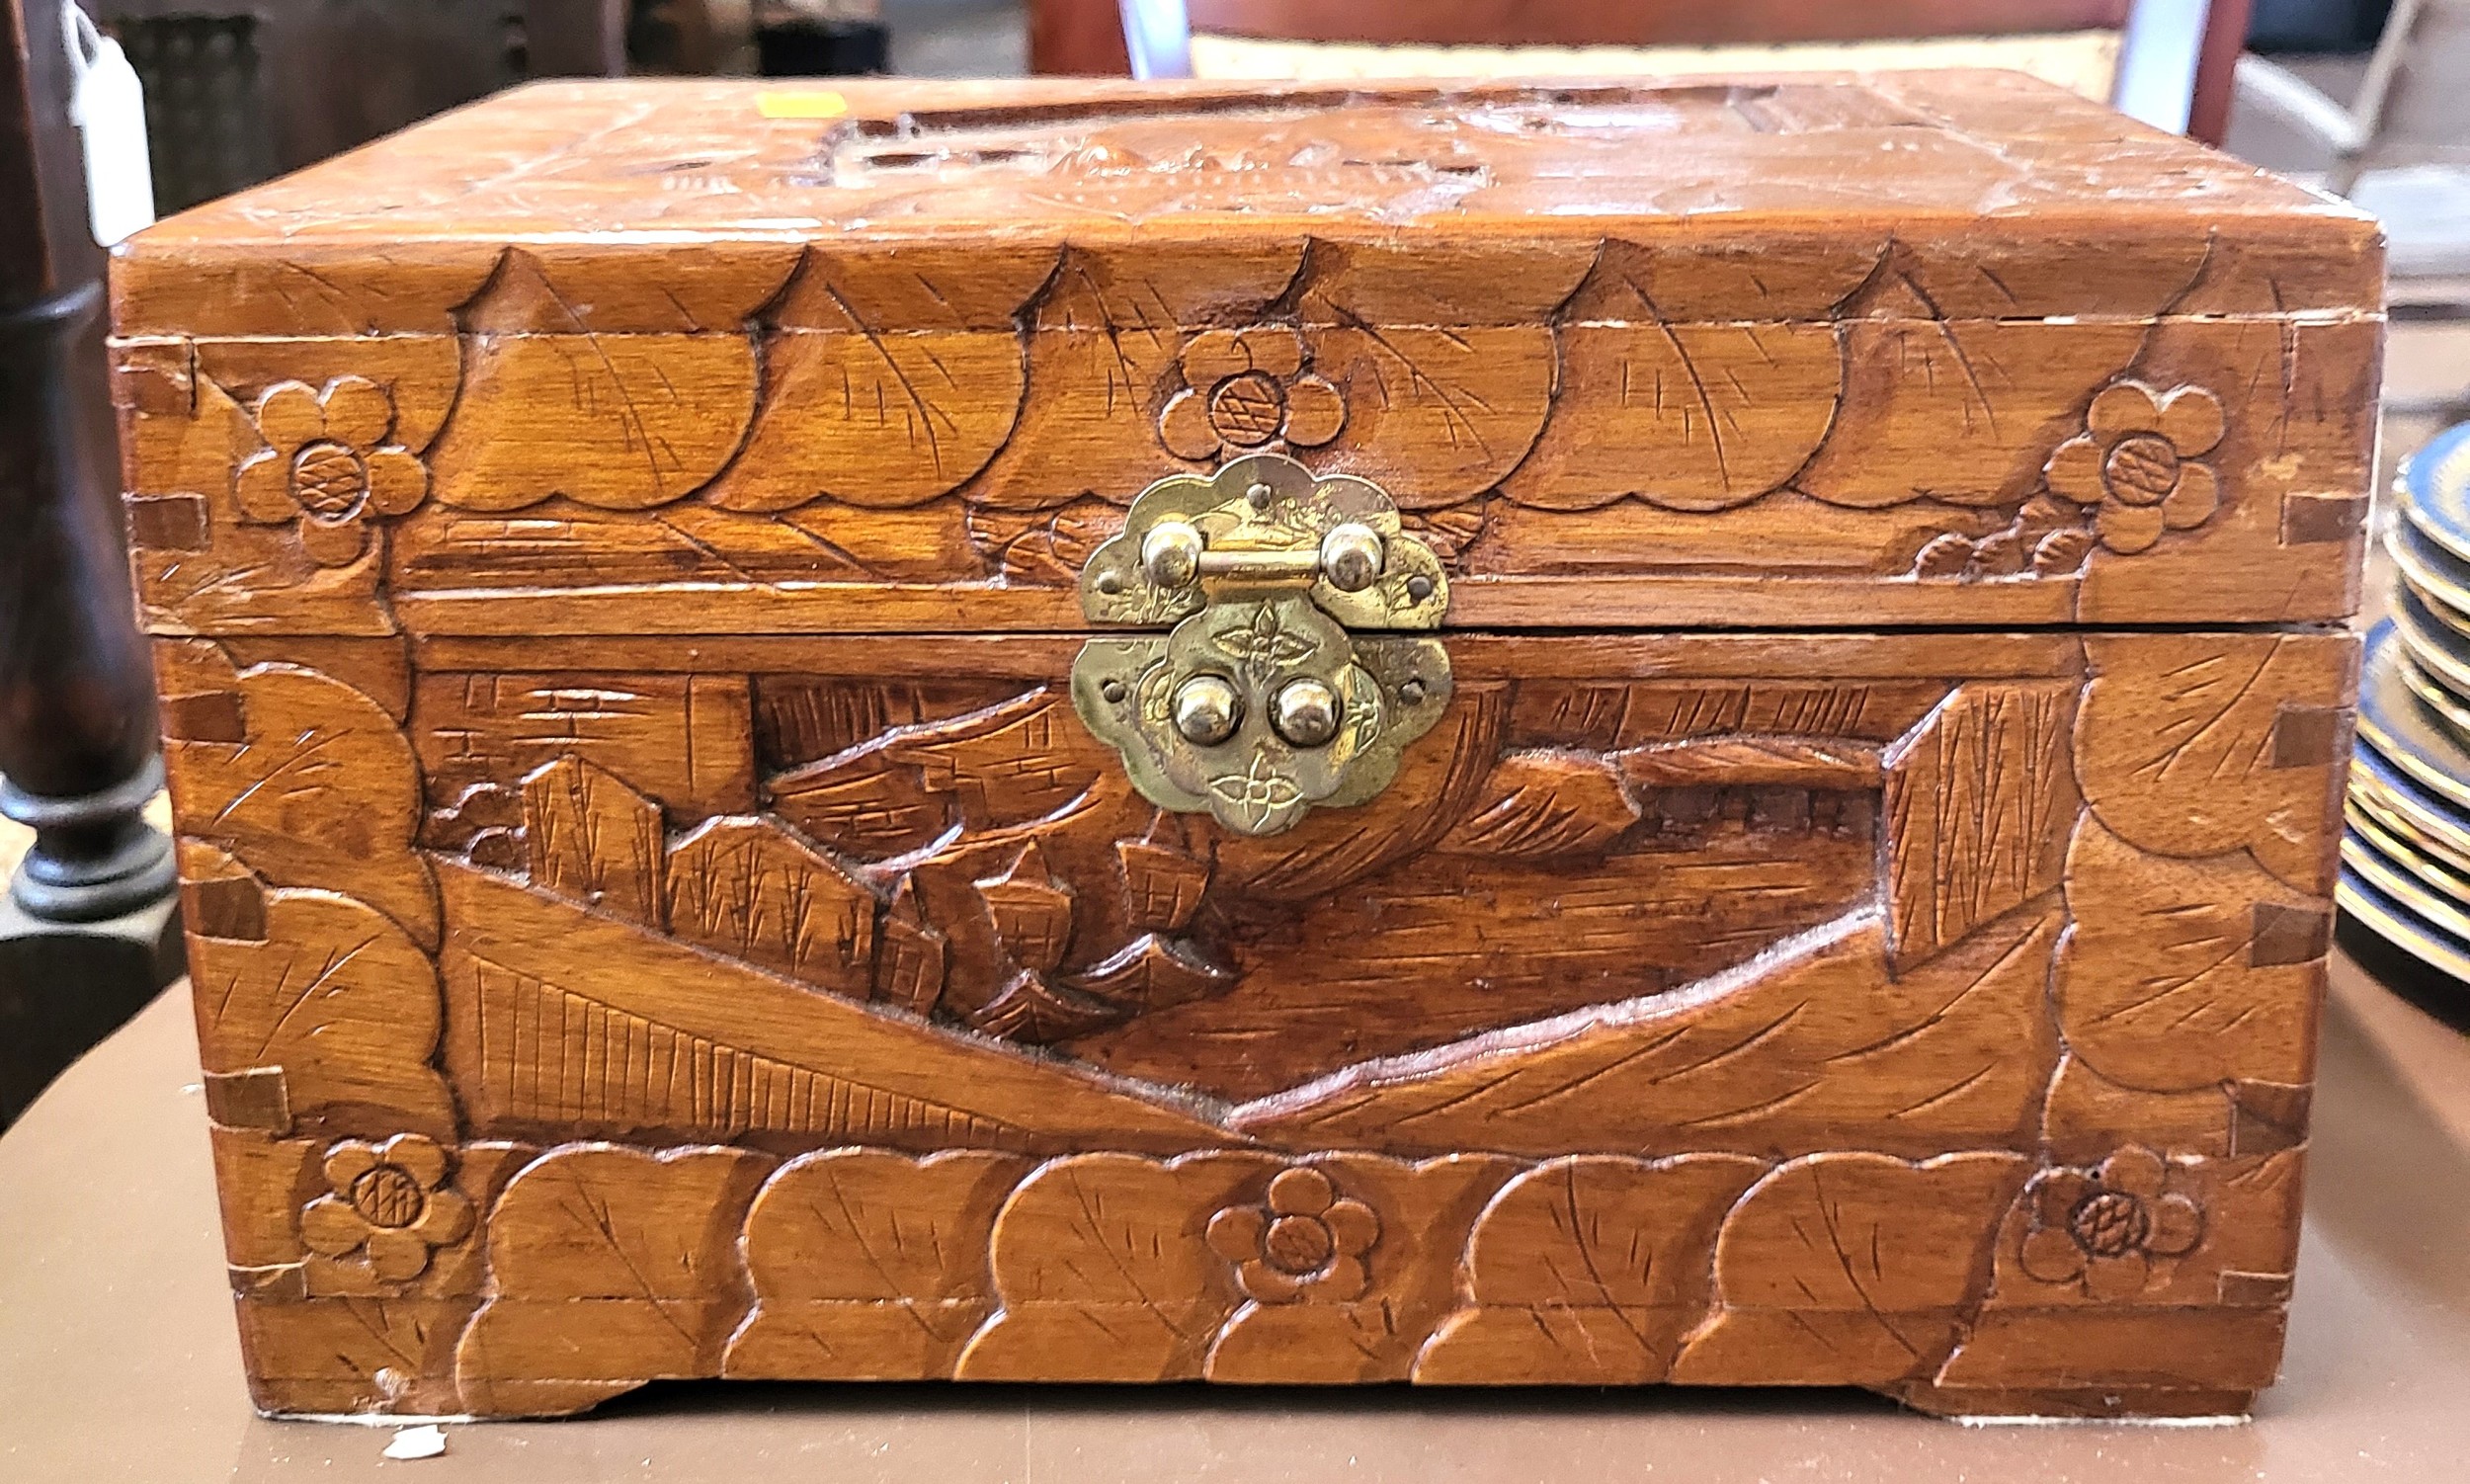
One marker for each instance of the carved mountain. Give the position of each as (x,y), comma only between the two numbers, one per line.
(1779,1057)
(562,1016)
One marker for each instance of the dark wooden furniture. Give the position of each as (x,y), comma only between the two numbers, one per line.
(238,91)
(1118,732)
(86,930)
(2177,57)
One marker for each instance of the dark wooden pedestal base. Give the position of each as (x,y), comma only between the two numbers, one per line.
(64,986)
(94,857)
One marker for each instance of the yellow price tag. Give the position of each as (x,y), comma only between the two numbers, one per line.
(800,105)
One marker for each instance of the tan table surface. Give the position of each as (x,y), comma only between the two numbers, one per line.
(117,1359)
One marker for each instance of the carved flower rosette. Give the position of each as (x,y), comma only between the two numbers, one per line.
(1303,1241)
(2102,1230)
(2135,464)
(1247,389)
(386,1208)
(327,468)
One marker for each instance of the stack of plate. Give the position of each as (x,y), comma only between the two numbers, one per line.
(2406,854)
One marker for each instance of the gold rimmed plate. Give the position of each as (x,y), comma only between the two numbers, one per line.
(2393,721)
(2437,580)
(2394,922)
(2401,807)
(2432,665)
(2430,873)
(2449,708)
(2435,489)
(2395,880)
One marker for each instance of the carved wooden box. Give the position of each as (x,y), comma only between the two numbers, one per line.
(1710,756)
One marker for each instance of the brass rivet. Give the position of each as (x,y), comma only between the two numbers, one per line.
(1111,583)
(1258,496)
(1419,587)
(1352,556)
(1171,553)
(1305,712)
(1206,709)
(1411,693)
(1114,691)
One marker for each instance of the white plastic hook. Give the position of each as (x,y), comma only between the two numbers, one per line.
(109,108)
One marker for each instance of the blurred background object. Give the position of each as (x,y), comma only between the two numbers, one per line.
(820,38)
(88,930)
(241,90)
(2390,130)
(2406,848)
(2166,61)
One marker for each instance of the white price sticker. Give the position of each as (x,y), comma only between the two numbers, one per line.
(109,109)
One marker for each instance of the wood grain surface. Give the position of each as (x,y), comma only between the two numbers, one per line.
(1803,352)
(1858,920)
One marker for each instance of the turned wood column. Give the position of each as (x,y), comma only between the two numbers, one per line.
(77,733)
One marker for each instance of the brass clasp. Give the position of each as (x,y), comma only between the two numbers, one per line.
(1277,688)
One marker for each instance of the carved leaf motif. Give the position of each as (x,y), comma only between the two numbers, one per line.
(1436,414)
(1605,1231)
(1104,1270)
(332,992)
(355,1354)
(1105,336)
(1850,1268)
(1696,417)
(1043,547)
(1587,1269)
(598,1222)
(2088,1116)
(649,1243)
(550,407)
(640,420)
(2187,752)
(1969,403)
(1544,804)
(867,1264)
(2180,975)
(874,420)
(305,779)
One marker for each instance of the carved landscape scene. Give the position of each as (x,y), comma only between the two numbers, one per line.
(1656,943)
(655,911)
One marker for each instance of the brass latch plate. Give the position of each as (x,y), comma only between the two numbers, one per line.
(1288,678)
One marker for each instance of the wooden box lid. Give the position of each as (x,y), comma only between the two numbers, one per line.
(1815,351)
